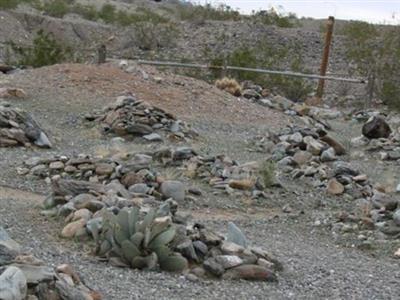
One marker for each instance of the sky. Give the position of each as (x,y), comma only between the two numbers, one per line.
(384,11)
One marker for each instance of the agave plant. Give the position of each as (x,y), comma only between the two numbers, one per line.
(142,244)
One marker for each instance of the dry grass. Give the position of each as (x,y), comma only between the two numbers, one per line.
(229,85)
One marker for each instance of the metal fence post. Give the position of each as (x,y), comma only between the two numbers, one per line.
(325,56)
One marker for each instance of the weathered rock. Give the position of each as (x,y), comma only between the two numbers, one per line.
(381,200)
(153,137)
(56,165)
(173,189)
(376,127)
(250,272)
(396,217)
(104,169)
(213,267)
(335,187)
(36,274)
(328,155)
(70,230)
(13,285)
(302,157)
(313,146)
(228,261)
(236,236)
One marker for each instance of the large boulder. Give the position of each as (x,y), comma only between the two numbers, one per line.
(376,127)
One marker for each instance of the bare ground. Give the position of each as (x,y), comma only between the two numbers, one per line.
(316,267)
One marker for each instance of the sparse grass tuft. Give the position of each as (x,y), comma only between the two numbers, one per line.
(229,85)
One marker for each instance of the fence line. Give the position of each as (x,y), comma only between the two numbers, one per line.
(265,71)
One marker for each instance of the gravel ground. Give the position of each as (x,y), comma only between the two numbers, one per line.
(316,266)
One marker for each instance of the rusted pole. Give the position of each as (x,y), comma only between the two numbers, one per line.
(102,54)
(325,57)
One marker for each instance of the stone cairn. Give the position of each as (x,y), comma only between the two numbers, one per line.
(131,117)
(17,128)
(22,276)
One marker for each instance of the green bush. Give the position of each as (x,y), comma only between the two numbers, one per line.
(108,13)
(8,4)
(376,55)
(201,13)
(56,8)
(272,17)
(264,56)
(87,12)
(45,51)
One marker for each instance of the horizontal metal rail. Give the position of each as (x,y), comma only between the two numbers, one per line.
(272,72)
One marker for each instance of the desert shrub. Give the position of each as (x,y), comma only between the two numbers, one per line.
(8,4)
(376,55)
(229,85)
(152,36)
(272,17)
(56,8)
(45,51)
(201,13)
(267,173)
(263,55)
(108,13)
(87,12)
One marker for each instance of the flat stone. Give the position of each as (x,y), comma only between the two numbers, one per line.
(236,236)
(56,165)
(13,284)
(173,189)
(153,137)
(36,274)
(250,272)
(228,261)
(104,169)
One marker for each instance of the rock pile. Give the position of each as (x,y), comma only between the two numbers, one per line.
(153,236)
(225,174)
(22,276)
(131,117)
(17,128)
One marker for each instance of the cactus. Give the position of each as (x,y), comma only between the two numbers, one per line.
(142,244)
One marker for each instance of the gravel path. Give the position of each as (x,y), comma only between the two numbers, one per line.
(315,268)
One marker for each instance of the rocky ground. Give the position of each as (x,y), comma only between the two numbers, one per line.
(296,221)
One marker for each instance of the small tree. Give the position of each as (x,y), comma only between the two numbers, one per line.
(45,51)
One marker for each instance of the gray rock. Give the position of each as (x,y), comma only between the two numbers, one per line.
(43,141)
(328,155)
(40,171)
(235,235)
(396,217)
(139,188)
(228,261)
(6,241)
(36,274)
(213,267)
(13,284)
(376,127)
(250,272)
(201,248)
(173,189)
(153,137)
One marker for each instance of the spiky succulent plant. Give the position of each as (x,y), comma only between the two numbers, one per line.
(142,244)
